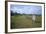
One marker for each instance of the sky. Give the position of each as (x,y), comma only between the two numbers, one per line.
(26,9)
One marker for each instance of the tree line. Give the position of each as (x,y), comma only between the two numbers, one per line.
(14,13)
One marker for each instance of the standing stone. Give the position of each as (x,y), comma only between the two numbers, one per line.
(33,18)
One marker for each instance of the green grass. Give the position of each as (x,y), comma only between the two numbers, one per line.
(25,21)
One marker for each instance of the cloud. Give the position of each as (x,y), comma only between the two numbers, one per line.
(27,9)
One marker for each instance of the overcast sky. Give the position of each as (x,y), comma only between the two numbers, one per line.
(27,9)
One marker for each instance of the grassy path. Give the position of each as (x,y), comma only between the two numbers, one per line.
(21,22)
(24,22)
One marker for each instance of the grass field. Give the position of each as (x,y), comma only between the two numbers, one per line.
(25,21)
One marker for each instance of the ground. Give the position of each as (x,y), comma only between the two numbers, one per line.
(25,21)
